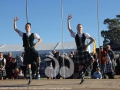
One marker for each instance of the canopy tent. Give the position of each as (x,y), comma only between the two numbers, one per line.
(114,46)
(42,48)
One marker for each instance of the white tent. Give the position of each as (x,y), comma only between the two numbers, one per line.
(42,48)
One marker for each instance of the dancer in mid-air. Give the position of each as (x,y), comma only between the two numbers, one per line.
(30,55)
(83,58)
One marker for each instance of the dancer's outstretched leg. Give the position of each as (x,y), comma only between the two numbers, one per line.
(30,73)
(30,76)
(38,67)
(82,78)
(82,75)
(83,71)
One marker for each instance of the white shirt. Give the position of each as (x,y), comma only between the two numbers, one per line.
(80,35)
(4,60)
(36,36)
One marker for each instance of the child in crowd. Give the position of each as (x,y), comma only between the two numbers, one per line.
(20,75)
(97,74)
(16,73)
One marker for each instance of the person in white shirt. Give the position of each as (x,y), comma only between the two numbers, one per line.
(83,58)
(2,66)
(31,55)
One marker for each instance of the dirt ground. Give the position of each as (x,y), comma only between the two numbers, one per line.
(61,84)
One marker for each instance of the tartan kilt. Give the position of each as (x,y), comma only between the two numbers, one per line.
(82,57)
(3,73)
(30,55)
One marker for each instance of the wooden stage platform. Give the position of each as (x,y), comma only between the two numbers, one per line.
(61,84)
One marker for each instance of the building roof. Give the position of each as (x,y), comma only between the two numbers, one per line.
(41,47)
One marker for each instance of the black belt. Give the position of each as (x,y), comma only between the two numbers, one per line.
(81,47)
(29,47)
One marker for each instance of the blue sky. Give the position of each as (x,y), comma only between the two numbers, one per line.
(45,17)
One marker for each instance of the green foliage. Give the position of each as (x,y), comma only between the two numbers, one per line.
(113,32)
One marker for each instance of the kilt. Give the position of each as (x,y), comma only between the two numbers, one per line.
(82,57)
(30,55)
(3,73)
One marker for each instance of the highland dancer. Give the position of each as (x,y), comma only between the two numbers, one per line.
(30,55)
(83,58)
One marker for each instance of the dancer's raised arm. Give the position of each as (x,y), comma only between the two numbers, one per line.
(15,26)
(68,22)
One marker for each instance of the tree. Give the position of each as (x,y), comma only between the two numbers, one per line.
(113,32)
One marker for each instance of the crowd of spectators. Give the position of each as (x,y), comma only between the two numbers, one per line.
(103,66)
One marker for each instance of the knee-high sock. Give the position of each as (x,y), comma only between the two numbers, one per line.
(30,73)
(81,74)
(38,69)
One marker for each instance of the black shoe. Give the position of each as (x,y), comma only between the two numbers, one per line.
(29,82)
(82,81)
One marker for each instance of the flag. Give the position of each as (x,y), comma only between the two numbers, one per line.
(94,47)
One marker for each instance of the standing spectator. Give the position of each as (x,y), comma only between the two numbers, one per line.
(103,61)
(20,60)
(13,66)
(118,64)
(54,55)
(95,64)
(109,70)
(71,56)
(111,55)
(53,52)
(8,65)
(22,66)
(2,66)
(57,67)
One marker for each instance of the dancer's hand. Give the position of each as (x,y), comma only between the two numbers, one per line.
(92,61)
(16,18)
(69,17)
(34,44)
(86,46)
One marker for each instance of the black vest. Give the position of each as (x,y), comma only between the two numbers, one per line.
(78,43)
(28,41)
(1,63)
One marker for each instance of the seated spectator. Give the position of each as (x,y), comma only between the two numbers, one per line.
(118,65)
(20,74)
(16,73)
(97,74)
(8,65)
